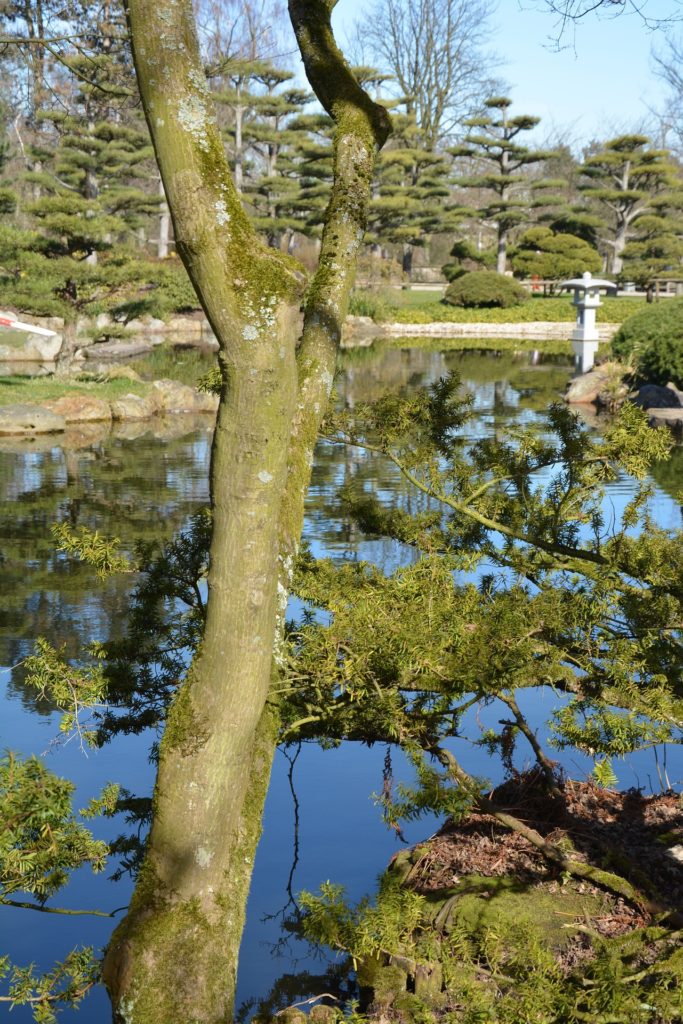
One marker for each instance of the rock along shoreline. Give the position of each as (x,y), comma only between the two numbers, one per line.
(56,415)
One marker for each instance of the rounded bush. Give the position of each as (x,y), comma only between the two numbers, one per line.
(653,340)
(484,289)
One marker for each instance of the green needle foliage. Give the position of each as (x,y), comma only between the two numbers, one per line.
(64,986)
(41,840)
(41,843)
(564,599)
(413,197)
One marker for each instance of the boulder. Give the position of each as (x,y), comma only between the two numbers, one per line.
(30,348)
(29,419)
(122,373)
(154,325)
(80,408)
(654,396)
(206,401)
(118,349)
(675,853)
(134,407)
(173,396)
(361,332)
(321,1014)
(587,387)
(671,418)
(184,325)
(43,350)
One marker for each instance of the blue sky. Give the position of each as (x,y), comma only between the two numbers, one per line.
(601,86)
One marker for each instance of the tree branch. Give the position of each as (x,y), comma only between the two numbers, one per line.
(60,910)
(361,128)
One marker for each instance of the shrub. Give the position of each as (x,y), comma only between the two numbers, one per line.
(484,289)
(553,256)
(653,340)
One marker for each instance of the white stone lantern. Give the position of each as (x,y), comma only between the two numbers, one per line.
(585,337)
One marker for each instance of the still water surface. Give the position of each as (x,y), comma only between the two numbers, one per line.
(142,483)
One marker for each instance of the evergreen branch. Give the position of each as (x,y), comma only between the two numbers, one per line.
(567,553)
(59,910)
(47,44)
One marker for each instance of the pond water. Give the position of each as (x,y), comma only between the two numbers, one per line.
(143,483)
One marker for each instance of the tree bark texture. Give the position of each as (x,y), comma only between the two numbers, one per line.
(174,957)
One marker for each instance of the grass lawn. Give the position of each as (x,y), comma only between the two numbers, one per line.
(417,307)
(34,390)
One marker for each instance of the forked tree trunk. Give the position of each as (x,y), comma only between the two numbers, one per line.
(173,959)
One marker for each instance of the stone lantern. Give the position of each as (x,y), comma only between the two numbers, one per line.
(585,337)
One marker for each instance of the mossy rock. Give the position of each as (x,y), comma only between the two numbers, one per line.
(478,903)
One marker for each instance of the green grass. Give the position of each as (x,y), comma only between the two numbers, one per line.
(184,365)
(35,390)
(407,298)
(411,307)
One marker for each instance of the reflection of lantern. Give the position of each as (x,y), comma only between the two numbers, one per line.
(585,337)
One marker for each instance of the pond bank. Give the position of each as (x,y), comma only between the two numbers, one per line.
(606,387)
(193,330)
(47,407)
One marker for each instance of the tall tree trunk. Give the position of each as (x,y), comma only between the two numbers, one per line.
(164,224)
(501,251)
(173,958)
(620,239)
(407,262)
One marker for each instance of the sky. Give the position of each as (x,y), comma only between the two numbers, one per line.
(600,85)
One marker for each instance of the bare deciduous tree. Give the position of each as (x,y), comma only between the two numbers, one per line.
(436,52)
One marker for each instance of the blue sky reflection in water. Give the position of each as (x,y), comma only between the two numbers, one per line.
(149,486)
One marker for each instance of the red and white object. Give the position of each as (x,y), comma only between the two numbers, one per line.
(17,325)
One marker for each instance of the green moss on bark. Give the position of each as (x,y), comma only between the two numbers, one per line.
(186,729)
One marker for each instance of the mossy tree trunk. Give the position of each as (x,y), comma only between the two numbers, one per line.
(174,957)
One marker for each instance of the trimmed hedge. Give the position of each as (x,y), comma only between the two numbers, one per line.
(653,340)
(485,289)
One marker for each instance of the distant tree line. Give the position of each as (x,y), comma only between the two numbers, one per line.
(85,222)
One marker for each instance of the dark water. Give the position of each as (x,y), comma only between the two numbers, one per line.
(140,483)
